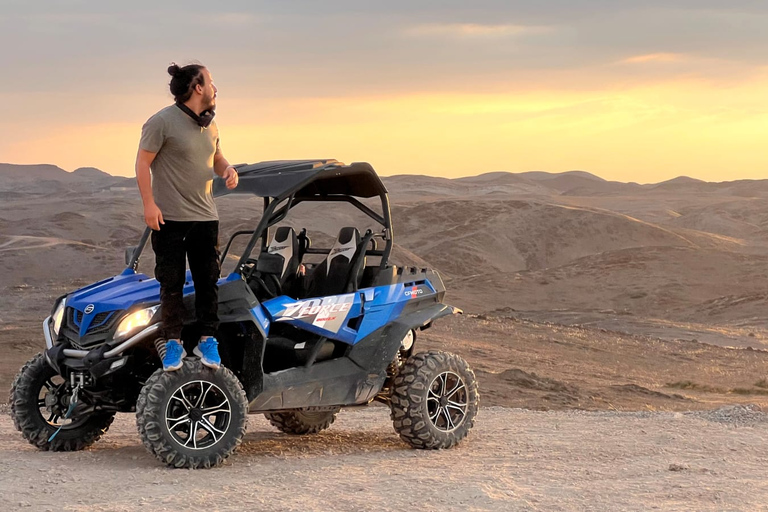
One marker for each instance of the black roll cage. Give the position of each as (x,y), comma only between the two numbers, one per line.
(276,209)
(273,215)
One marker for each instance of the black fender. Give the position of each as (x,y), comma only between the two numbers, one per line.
(422,319)
(377,350)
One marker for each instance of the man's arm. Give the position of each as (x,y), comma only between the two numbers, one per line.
(222,168)
(152,214)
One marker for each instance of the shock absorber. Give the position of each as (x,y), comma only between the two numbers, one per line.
(160,346)
(394,367)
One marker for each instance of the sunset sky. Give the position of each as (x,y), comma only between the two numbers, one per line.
(629,90)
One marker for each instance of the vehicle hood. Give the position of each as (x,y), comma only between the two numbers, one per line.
(123,291)
(116,293)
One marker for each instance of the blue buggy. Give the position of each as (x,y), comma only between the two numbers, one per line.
(299,340)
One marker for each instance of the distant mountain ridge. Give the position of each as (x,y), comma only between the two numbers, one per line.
(47,178)
(33,172)
(92,172)
(681,180)
(541,175)
(18,172)
(32,179)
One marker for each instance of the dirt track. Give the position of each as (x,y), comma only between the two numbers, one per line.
(513,460)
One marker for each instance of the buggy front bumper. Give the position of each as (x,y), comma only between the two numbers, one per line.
(137,338)
(100,361)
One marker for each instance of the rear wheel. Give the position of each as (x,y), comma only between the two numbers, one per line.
(193,417)
(304,421)
(39,401)
(434,400)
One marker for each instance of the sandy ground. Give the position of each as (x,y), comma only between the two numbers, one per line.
(513,460)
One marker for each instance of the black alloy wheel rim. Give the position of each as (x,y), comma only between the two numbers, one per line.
(198,415)
(447,401)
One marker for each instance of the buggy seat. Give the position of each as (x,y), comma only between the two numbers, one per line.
(286,244)
(333,275)
(277,269)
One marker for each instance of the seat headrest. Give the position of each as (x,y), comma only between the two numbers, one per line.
(285,244)
(345,245)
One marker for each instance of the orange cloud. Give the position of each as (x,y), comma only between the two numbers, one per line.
(473,30)
(654,57)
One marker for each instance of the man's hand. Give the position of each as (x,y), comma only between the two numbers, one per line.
(230,177)
(153,216)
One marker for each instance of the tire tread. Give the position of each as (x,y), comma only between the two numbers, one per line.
(26,418)
(408,412)
(298,423)
(149,416)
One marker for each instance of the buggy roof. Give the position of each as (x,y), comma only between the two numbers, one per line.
(304,178)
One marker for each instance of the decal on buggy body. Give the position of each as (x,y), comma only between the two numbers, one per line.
(415,291)
(328,313)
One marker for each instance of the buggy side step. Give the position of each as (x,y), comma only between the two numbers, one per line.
(334,382)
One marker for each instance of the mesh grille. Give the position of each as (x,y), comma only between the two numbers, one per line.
(98,330)
(100,319)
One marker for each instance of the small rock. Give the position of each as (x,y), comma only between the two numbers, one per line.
(678,467)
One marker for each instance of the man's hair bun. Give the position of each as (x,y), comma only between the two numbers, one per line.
(184,80)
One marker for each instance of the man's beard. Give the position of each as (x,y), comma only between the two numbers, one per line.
(210,104)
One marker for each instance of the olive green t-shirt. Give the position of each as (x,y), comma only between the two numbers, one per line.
(182,172)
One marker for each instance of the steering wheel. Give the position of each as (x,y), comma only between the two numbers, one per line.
(251,275)
(247,272)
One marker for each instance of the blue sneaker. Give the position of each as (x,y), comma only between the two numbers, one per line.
(174,355)
(208,351)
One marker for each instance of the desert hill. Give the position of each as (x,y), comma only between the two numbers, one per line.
(45,179)
(550,246)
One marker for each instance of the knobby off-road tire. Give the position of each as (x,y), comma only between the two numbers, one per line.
(193,417)
(28,391)
(434,401)
(305,421)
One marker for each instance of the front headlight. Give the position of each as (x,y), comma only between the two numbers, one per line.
(135,320)
(58,316)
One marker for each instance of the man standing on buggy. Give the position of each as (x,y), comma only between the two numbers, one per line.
(178,153)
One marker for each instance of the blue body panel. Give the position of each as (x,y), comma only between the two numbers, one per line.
(387,303)
(347,318)
(331,316)
(261,319)
(325,316)
(117,294)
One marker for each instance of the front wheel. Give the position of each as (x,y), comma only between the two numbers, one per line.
(193,417)
(434,400)
(39,401)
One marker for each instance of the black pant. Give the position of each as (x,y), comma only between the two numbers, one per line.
(199,242)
